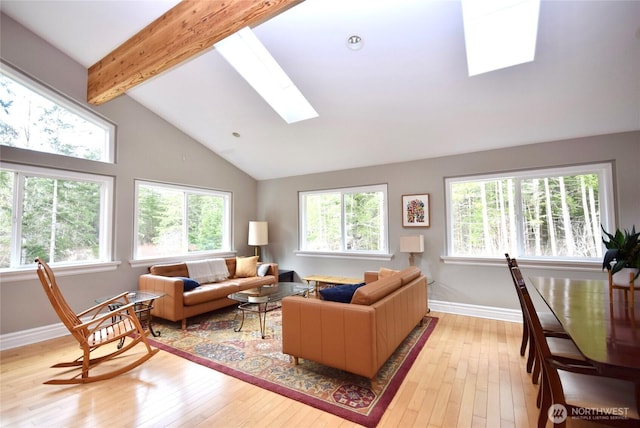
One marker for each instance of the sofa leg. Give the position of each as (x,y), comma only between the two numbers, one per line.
(184,324)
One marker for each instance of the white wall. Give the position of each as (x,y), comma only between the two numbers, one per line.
(150,148)
(476,285)
(147,148)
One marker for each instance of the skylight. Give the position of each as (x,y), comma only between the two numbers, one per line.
(499,33)
(251,59)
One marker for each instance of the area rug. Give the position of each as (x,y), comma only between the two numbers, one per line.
(210,340)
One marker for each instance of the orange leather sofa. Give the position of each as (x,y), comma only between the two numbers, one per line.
(178,305)
(357,337)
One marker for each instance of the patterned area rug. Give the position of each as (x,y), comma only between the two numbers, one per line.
(210,340)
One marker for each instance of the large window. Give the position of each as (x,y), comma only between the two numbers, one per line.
(61,216)
(35,117)
(349,220)
(176,220)
(552,213)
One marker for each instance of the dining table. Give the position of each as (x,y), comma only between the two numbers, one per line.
(605,330)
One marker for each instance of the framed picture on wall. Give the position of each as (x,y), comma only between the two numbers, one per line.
(415,210)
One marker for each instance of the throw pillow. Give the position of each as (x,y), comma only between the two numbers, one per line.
(340,293)
(263,268)
(246,266)
(189,284)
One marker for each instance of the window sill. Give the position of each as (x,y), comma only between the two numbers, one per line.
(179,259)
(339,255)
(560,264)
(29,273)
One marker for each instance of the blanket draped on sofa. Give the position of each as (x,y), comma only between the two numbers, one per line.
(210,270)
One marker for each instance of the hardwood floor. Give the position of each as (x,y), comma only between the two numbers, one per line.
(469,374)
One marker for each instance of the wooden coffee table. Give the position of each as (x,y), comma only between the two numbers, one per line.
(324,280)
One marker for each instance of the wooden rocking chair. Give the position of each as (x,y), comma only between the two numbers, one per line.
(102,328)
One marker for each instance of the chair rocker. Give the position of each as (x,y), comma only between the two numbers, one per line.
(101,329)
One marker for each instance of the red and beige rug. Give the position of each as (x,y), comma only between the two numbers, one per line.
(211,341)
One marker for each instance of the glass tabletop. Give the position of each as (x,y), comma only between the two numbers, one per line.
(135,297)
(271,293)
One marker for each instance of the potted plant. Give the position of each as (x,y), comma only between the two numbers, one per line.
(623,248)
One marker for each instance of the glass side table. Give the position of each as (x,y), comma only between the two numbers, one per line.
(142,305)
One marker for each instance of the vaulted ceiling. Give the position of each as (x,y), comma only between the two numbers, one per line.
(405,95)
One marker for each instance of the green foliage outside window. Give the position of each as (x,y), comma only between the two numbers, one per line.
(173,220)
(36,118)
(547,216)
(57,218)
(344,220)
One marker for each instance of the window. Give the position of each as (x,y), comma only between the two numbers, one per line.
(350,220)
(175,220)
(61,216)
(552,213)
(35,117)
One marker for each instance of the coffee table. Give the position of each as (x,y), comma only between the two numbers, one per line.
(266,299)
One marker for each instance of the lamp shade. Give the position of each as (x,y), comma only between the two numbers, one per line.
(412,244)
(258,233)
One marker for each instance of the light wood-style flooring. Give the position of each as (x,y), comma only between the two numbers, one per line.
(469,374)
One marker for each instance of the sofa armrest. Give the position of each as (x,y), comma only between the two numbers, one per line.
(370,276)
(170,306)
(340,335)
(273,270)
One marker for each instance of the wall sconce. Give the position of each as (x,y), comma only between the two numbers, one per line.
(258,235)
(412,244)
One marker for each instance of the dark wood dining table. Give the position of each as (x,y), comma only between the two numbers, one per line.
(606,331)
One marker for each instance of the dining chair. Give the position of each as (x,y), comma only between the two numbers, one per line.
(562,346)
(97,327)
(628,288)
(581,391)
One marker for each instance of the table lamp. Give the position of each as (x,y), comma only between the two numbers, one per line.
(258,235)
(412,244)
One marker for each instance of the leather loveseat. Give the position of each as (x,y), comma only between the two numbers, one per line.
(360,336)
(178,304)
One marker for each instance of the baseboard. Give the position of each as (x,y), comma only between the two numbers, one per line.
(500,314)
(33,335)
(39,334)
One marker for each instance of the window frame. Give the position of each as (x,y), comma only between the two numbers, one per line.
(382,254)
(68,103)
(186,189)
(106,211)
(606,193)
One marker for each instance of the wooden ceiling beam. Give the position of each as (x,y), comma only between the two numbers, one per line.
(188,29)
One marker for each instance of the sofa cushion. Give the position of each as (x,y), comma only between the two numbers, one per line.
(188,283)
(409,274)
(340,293)
(208,292)
(172,270)
(246,266)
(376,290)
(385,272)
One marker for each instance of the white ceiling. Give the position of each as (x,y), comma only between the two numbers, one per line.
(406,95)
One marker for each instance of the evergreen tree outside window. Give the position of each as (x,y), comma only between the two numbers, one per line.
(348,220)
(175,220)
(539,214)
(63,217)
(35,117)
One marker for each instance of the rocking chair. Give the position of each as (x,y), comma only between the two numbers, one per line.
(102,328)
